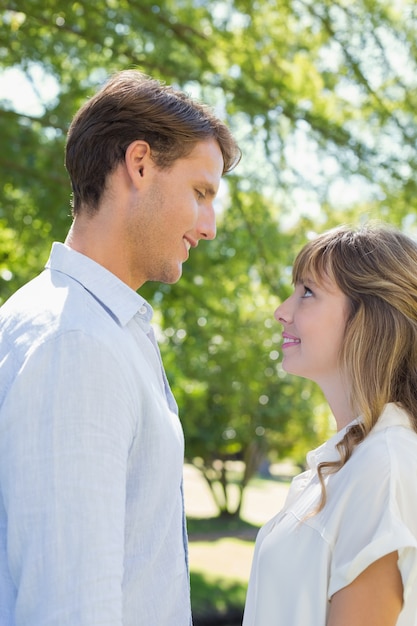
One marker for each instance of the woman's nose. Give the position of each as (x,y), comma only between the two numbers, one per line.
(283,314)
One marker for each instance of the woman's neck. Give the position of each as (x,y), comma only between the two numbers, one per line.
(337,395)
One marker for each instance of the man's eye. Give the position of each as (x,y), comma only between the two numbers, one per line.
(200,195)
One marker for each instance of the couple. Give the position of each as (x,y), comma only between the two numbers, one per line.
(92,524)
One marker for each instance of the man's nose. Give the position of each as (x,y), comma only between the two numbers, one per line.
(207,222)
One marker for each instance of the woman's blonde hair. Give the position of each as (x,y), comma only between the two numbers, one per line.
(376,268)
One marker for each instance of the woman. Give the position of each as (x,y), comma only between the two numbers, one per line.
(343,551)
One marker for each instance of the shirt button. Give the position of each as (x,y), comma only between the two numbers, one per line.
(142,309)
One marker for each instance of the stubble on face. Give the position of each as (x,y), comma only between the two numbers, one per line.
(148,237)
(170,212)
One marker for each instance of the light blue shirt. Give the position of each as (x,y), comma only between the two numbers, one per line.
(91,457)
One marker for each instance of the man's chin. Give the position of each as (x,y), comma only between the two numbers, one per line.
(171,276)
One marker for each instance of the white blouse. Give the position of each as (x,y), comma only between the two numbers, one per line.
(371,510)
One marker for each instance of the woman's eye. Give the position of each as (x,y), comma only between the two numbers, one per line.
(200,195)
(307,292)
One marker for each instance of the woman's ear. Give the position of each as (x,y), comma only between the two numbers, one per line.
(138,160)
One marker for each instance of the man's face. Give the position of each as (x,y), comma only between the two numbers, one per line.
(173,211)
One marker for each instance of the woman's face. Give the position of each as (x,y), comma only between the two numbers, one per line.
(314,319)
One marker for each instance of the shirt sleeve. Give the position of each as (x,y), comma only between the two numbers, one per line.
(68,425)
(379,511)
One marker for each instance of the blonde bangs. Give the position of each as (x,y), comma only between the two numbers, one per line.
(314,263)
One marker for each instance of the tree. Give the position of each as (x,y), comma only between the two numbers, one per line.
(322,97)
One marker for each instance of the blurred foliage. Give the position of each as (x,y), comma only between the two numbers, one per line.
(214,599)
(322,98)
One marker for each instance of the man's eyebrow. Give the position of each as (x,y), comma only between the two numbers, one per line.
(208,188)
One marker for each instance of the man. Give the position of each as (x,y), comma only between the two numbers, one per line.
(92,524)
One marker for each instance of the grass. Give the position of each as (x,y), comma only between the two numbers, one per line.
(221,549)
(220,555)
(216,600)
(219,526)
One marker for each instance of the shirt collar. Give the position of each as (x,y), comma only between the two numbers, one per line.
(122,302)
(327,452)
(392,415)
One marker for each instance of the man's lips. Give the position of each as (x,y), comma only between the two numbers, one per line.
(190,243)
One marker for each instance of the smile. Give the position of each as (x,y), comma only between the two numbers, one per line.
(290,341)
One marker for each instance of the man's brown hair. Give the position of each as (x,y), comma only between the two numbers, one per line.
(129,107)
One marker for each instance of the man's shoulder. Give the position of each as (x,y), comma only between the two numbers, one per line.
(51,305)
(35,305)
(54,319)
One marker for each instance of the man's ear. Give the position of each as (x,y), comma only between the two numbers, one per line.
(138,160)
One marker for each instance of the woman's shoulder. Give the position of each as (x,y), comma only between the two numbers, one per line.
(394,416)
(394,429)
(391,446)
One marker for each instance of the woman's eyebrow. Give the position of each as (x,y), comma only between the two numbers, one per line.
(309,281)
